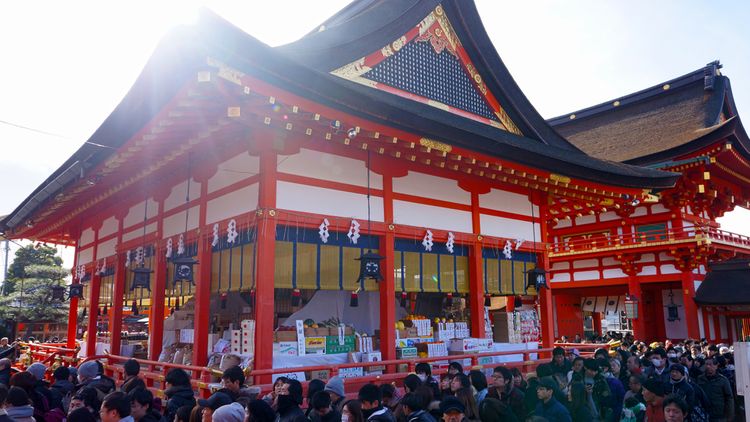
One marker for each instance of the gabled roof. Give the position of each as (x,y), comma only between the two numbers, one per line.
(368,27)
(659,123)
(726,283)
(184,52)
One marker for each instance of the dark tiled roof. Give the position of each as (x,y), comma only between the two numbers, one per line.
(652,121)
(726,283)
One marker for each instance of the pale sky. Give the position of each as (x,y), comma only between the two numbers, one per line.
(66,65)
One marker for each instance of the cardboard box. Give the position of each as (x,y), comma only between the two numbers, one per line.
(504,327)
(351,372)
(187,335)
(315,345)
(372,357)
(285,348)
(286,336)
(471,345)
(406,352)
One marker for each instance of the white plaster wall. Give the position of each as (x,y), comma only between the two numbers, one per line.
(701,328)
(711,331)
(563,223)
(175,224)
(427,186)
(723,326)
(639,211)
(324,166)
(329,202)
(648,257)
(648,270)
(560,277)
(586,263)
(233,170)
(177,195)
(428,216)
(109,226)
(585,219)
(232,204)
(501,200)
(87,236)
(674,329)
(658,209)
(106,248)
(586,275)
(560,266)
(606,261)
(608,216)
(614,273)
(135,214)
(137,233)
(85,256)
(506,227)
(663,256)
(696,284)
(669,269)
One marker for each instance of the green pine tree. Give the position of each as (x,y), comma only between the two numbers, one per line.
(28,292)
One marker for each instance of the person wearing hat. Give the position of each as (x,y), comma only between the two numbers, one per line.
(598,387)
(232,412)
(215,401)
(653,393)
(335,387)
(452,409)
(548,406)
(679,386)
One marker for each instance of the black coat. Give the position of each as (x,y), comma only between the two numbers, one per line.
(177,397)
(292,414)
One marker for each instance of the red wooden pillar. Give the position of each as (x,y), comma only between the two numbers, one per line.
(265,263)
(202,313)
(476,273)
(547,311)
(118,291)
(73,310)
(597,320)
(634,291)
(91,330)
(388,285)
(156,313)
(691,310)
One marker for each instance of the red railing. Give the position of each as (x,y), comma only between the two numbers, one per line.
(393,370)
(604,241)
(48,353)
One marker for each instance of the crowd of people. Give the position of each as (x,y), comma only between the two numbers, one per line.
(630,382)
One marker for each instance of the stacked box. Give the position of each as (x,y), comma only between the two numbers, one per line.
(286,348)
(504,330)
(236,339)
(471,345)
(334,346)
(364,344)
(187,335)
(406,352)
(248,336)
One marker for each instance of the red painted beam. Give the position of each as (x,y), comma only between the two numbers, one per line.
(118,292)
(156,313)
(388,285)
(476,273)
(202,311)
(91,331)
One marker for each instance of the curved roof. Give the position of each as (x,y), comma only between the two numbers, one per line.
(726,283)
(659,123)
(183,52)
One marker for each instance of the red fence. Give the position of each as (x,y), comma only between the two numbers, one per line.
(49,353)
(393,370)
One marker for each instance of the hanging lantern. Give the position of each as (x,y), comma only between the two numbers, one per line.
(449,299)
(536,278)
(104,310)
(487,300)
(141,278)
(183,270)
(369,267)
(296,298)
(631,307)
(354,299)
(223,300)
(58,293)
(404,296)
(75,290)
(84,313)
(134,308)
(673,313)
(517,302)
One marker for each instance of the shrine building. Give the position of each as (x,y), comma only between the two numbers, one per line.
(656,253)
(240,197)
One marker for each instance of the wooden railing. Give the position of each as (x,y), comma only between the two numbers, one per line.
(49,353)
(154,372)
(605,241)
